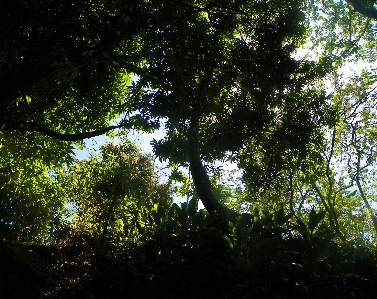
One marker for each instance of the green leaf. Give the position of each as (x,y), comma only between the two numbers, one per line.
(323,255)
(228,241)
(279,217)
(28,99)
(315,218)
(256,214)
(242,233)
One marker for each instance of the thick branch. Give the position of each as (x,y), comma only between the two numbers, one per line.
(30,126)
(367,12)
(125,62)
(199,174)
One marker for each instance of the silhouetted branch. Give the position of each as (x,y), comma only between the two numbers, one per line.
(31,126)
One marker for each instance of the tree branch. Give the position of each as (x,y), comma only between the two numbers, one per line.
(333,218)
(31,126)
(362,194)
(367,12)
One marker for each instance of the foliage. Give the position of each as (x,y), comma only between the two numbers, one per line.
(339,177)
(111,194)
(227,81)
(268,256)
(26,213)
(224,46)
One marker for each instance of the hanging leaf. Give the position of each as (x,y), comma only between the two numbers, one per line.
(28,99)
(279,217)
(315,218)
(242,233)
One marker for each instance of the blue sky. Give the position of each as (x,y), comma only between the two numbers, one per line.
(142,140)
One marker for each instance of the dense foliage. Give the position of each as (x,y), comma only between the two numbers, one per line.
(261,86)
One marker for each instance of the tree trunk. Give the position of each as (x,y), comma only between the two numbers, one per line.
(199,174)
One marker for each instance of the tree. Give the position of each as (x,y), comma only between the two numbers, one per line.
(221,74)
(339,38)
(55,80)
(345,34)
(342,182)
(32,207)
(111,194)
(230,87)
(355,140)
(224,79)
(339,33)
(53,61)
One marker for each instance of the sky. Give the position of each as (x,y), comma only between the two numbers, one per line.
(142,140)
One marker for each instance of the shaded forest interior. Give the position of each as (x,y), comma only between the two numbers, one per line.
(282,92)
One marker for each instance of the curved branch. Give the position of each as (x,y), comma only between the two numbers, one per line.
(31,126)
(367,12)
(199,174)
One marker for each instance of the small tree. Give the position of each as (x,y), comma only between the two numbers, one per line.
(112,193)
